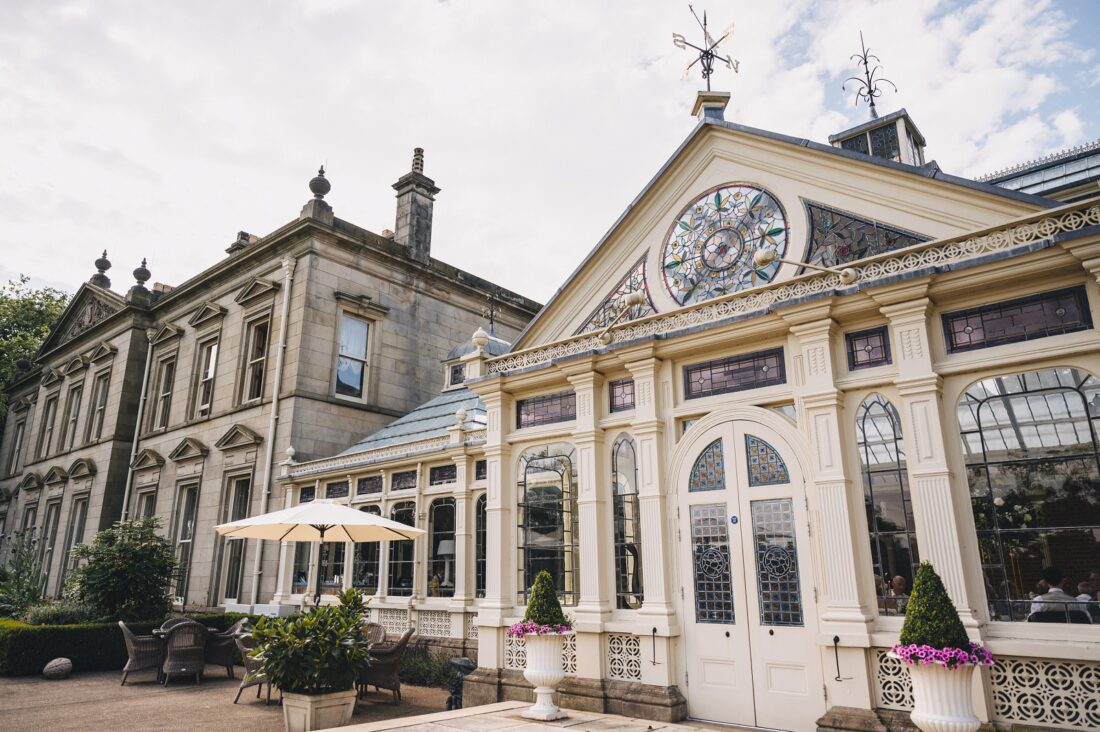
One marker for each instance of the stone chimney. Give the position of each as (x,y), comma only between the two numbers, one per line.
(415,197)
(710,106)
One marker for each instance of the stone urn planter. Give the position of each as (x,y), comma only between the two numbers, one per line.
(543,627)
(942,700)
(940,656)
(544,671)
(307,712)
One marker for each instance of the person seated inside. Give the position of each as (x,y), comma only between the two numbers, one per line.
(897,596)
(1055,599)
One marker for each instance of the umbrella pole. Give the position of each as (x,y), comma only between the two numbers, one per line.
(320,548)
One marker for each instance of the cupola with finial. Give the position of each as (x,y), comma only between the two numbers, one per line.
(100,278)
(316,207)
(893,137)
(415,199)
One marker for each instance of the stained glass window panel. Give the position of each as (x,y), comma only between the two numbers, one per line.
(441,474)
(402,481)
(709,471)
(776,562)
(481,470)
(884,142)
(738,373)
(867,348)
(856,144)
(306,494)
(766,467)
(622,394)
(369,484)
(838,237)
(546,409)
(1011,321)
(336,490)
(609,309)
(711,564)
(709,251)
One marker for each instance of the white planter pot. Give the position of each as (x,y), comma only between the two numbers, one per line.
(942,700)
(544,671)
(307,712)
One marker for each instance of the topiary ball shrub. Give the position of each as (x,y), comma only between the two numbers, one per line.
(932,631)
(544,614)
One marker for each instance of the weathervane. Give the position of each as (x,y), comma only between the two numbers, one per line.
(707,54)
(868,86)
(490,311)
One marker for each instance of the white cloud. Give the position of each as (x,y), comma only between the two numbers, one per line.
(160,130)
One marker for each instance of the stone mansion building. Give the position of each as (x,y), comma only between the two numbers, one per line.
(788,373)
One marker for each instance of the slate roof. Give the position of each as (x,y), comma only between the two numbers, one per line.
(430,419)
(495,347)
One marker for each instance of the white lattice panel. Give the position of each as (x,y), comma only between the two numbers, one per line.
(1063,694)
(434,623)
(624,657)
(471,626)
(893,690)
(569,654)
(394,620)
(515,653)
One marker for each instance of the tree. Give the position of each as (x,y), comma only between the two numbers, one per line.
(26,316)
(125,572)
(930,617)
(21,581)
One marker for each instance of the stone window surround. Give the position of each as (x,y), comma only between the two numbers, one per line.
(208,337)
(229,481)
(70,427)
(42,443)
(155,392)
(190,482)
(89,435)
(250,320)
(13,459)
(362,308)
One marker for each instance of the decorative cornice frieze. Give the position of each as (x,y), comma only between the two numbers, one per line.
(368,457)
(1027,233)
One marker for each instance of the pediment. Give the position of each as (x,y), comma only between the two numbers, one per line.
(188,449)
(166,333)
(55,475)
(208,311)
(31,480)
(238,436)
(254,289)
(51,377)
(89,307)
(75,365)
(22,405)
(102,352)
(82,468)
(725,167)
(147,458)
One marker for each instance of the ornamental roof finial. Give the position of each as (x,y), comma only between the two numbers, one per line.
(868,86)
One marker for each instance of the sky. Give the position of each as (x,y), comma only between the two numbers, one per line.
(160,130)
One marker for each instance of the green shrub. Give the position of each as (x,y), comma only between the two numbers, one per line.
(320,651)
(421,668)
(543,606)
(930,617)
(60,613)
(26,649)
(125,572)
(21,586)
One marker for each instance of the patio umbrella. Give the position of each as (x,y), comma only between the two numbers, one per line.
(313,521)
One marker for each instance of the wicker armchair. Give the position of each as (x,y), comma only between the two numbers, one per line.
(185,650)
(253,676)
(144,651)
(376,634)
(172,622)
(384,668)
(220,647)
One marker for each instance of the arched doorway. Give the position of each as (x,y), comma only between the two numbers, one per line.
(750,652)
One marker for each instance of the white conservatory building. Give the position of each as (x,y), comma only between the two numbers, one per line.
(733,475)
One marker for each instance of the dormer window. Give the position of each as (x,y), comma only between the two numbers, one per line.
(457,374)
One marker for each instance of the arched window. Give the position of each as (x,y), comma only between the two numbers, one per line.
(402,553)
(480,547)
(628,527)
(886,497)
(441,550)
(365,567)
(548,519)
(1029,441)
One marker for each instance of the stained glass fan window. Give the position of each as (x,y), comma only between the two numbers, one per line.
(766,467)
(709,471)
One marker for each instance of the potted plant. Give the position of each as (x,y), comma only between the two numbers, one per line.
(940,656)
(542,629)
(314,659)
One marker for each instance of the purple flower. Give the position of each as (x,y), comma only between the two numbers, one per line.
(947,657)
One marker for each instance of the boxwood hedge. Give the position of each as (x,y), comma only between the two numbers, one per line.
(26,649)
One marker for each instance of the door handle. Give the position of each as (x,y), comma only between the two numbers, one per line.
(727,634)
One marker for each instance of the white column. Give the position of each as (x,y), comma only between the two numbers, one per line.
(936,506)
(500,530)
(284,578)
(461,563)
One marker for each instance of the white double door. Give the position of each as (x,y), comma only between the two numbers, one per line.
(748,610)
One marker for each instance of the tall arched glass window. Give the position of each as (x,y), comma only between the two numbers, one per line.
(1029,441)
(894,555)
(628,527)
(480,546)
(365,567)
(548,519)
(441,549)
(402,553)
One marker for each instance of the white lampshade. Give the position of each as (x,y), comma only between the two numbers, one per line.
(446,548)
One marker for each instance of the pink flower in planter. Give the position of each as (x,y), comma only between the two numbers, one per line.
(950,658)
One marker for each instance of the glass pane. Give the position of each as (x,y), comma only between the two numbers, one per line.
(776,562)
(441,550)
(709,471)
(365,570)
(765,465)
(627,526)
(353,337)
(332,567)
(349,377)
(711,562)
(300,581)
(234,560)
